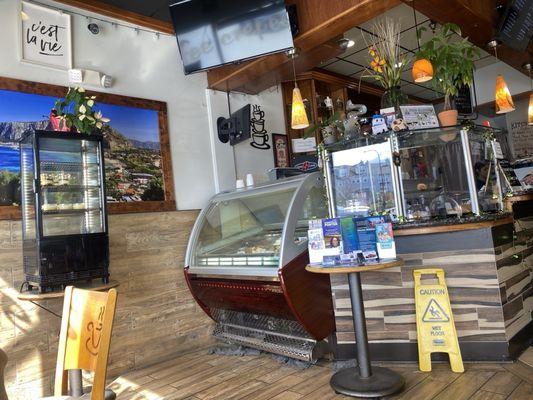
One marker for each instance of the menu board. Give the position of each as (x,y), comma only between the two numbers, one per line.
(463,101)
(522,138)
(516,27)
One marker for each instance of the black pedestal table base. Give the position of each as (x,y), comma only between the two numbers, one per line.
(363,380)
(382,382)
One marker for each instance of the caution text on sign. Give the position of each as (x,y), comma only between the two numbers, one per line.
(434,321)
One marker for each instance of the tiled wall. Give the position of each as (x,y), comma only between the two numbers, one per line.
(482,308)
(156,316)
(514,257)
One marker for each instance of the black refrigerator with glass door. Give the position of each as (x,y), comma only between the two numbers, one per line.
(64,217)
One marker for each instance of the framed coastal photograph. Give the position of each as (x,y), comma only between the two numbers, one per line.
(136,145)
(45,36)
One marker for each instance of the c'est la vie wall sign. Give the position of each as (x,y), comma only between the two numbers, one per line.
(45,36)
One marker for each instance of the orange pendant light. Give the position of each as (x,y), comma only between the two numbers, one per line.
(422,70)
(298,115)
(504,101)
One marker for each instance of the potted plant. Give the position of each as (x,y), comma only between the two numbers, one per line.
(452,57)
(328,129)
(387,62)
(76,112)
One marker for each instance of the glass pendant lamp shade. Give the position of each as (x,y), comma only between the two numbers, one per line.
(503,99)
(530,110)
(298,115)
(422,70)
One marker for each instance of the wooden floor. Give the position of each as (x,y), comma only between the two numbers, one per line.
(204,376)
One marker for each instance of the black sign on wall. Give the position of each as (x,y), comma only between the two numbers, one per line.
(463,101)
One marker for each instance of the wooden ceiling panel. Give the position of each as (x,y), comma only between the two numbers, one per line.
(321,22)
(478,21)
(111,11)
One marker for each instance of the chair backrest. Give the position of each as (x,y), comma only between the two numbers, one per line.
(85,337)
(3,362)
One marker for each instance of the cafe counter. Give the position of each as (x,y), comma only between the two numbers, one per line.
(488,262)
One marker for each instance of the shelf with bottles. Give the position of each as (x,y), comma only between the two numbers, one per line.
(68,188)
(66,166)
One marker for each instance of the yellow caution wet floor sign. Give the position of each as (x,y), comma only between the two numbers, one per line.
(434,321)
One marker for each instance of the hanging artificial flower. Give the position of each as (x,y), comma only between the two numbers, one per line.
(76,112)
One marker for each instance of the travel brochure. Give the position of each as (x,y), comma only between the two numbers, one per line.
(350,240)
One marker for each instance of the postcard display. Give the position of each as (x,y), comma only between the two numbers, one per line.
(351,240)
(64,219)
(245,266)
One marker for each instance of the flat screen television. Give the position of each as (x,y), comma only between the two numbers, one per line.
(211,33)
(516,25)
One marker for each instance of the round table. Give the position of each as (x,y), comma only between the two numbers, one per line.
(363,380)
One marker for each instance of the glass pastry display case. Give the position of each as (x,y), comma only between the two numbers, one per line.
(417,175)
(255,231)
(64,225)
(245,266)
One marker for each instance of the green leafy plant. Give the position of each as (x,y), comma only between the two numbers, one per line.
(76,111)
(332,121)
(452,57)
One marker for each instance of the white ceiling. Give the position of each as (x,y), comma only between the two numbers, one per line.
(353,61)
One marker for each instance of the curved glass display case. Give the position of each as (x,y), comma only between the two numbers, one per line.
(245,266)
(255,231)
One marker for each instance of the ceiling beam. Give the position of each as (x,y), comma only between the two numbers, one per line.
(321,23)
(478,21)
(108,10)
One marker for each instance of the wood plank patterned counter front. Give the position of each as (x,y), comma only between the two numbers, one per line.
(489,277)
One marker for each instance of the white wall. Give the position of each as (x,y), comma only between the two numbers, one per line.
(231,163)
(143,67)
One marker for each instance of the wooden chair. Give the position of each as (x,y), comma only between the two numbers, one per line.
(85,339)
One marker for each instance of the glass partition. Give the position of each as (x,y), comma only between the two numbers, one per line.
(487,182)
(433,174)
(362,180)
(314,207)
